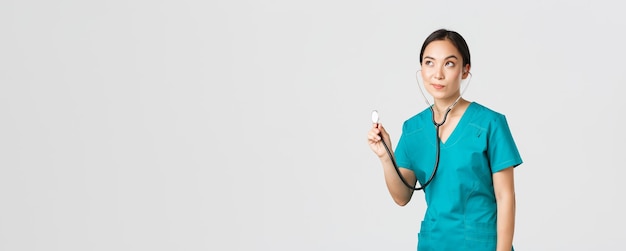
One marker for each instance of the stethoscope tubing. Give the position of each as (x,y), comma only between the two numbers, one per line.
(437,156)
(438,145)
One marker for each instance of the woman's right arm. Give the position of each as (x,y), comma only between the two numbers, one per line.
(400,193)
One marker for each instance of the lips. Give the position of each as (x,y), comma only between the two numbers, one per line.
(438,87)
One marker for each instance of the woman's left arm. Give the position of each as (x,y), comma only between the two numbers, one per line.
(504,188)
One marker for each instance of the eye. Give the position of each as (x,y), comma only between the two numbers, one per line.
(449,64)
(428,62)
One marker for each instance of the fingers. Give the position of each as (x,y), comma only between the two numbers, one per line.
(377,137)
(382,129)
(373,136)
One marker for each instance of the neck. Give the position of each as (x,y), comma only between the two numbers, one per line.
(442,105)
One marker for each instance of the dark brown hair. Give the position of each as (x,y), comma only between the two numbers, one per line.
(457,40)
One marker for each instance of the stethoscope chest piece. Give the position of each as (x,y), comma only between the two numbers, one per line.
(375,117)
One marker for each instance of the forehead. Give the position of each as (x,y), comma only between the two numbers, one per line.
(441,49)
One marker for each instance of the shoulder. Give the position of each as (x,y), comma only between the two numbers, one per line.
(485,111)
(487,118)
(417,122)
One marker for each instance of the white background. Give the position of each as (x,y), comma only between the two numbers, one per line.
(241,125)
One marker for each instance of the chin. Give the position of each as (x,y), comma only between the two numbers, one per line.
(438,95)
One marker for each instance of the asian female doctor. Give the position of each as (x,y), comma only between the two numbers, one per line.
(471,199)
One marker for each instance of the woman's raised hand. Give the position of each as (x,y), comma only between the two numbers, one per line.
(375,141)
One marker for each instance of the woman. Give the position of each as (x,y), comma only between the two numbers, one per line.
(471,199)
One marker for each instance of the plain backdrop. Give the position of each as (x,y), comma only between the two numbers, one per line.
(241,125)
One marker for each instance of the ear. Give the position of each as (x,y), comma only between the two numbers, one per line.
(466,70)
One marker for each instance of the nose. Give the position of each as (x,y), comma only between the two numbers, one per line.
(439,74)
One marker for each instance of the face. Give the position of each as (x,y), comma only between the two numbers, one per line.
(442,70)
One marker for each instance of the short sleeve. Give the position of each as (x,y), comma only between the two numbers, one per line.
(401,156)
(502,150)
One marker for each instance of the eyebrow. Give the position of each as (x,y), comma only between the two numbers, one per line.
(448,57)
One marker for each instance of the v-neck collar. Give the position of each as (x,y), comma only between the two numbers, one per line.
(458,129)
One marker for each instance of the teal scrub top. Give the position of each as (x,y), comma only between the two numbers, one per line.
(462,212)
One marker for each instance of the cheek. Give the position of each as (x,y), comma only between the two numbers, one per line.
(427,73)
(454,74)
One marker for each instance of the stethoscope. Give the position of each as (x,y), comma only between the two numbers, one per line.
(376,118)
